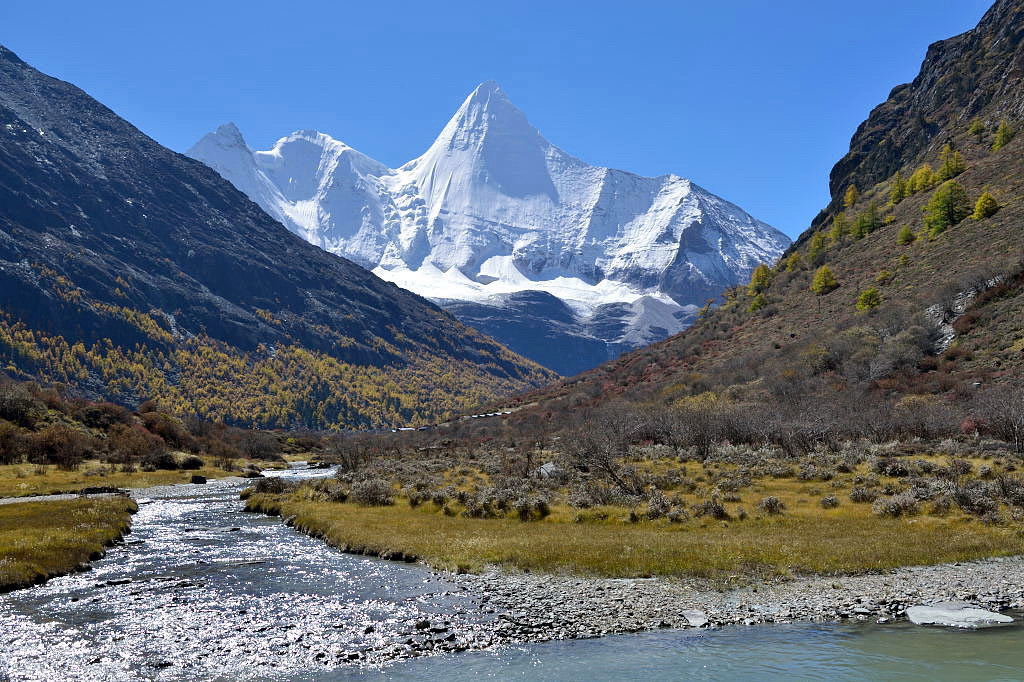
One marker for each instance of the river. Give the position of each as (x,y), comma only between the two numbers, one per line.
(202,590)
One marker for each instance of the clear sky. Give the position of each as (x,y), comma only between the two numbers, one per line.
(752,99)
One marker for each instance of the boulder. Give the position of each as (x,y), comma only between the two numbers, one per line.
(694,618)
(548,470)
(196,478)
(956,614)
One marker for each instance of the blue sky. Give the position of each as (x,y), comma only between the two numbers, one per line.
(753,100)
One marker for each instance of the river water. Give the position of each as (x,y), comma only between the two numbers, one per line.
(203,590)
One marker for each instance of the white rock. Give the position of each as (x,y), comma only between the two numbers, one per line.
(956,614)
(694,617)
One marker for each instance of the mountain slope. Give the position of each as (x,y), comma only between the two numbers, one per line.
(941,306)
(131,271)
(493,209)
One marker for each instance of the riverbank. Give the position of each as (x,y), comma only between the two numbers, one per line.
(30,480)
(534,607)
(43,539)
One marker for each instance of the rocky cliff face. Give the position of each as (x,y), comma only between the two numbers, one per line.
(493,209)
(979,73)
(106,235)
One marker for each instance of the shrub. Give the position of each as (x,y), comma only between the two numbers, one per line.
(135,443)
(102,415)
(829,502)
(60,445)
(771,505)
(712,508)
(657,505)
(905,236)
(191,463)
(163,460)
(902,504)
(272,485)
(12,443)
(374,492)
(18,405)
(862,494)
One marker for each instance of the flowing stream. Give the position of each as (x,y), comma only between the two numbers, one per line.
(202,590)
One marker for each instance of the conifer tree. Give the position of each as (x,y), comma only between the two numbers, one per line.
(923,178)
(1003,136)
(824,281)
(898,188)
(866,222)
(952,163)
(839,228)
(759,301)
(817,246)
(850,198)
(794,262)
(868,299)
(985,206)
(977,128)
(905,236)
(759,279)
(947,207)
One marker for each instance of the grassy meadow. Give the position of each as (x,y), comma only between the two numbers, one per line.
(39,540)
(744,540)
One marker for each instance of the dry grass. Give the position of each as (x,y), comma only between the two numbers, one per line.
(39,540)
(19,480)
(804,539)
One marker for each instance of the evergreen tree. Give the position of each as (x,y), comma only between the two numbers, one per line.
(824,281)
(868,299)
(923,178)
(850,198)
(898,188)
(977,128)
(952,163)
(905,236)
(817,246)
(839,228)
(947,207)
(1003,136)
(985,206)
(794,262)
(759,279)
(866,222)
(758,302)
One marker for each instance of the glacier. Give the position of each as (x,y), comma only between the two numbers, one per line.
(491,211)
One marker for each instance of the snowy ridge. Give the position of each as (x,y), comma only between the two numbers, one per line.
(493,208)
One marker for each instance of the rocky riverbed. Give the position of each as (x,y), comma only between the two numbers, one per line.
(540,607)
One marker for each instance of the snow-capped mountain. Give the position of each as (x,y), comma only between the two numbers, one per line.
(492,210)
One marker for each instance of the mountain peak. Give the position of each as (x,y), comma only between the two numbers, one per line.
(230,132)
(486,112)
(488,89)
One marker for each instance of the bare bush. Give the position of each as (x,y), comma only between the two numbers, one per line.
(373,492)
